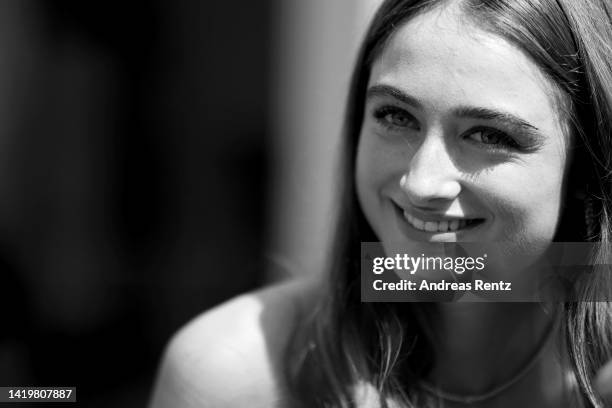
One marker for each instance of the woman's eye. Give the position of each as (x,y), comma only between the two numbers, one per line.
(492,138)
(397,118)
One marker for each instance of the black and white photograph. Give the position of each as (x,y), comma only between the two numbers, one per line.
(306,204)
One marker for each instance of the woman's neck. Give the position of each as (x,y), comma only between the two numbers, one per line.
(482,345)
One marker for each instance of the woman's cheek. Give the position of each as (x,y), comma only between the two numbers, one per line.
(525,207)
(377,164)
(367,174)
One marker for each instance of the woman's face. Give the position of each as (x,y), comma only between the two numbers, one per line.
(462,139)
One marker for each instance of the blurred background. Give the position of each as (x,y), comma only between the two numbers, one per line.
(157,158)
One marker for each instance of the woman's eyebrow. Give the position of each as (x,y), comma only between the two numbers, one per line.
(508,119)
(387,90)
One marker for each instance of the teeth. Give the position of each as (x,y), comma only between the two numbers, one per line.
(431,226)
(435,226)
(418,224)
(443,226)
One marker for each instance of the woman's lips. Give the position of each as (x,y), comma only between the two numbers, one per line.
(434,226)
(440,225)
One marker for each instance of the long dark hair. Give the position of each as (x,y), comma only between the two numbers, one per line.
(350,354)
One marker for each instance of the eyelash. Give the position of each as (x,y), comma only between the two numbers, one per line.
(506,142)
(383,112)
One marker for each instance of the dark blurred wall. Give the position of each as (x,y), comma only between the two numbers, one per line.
(134,146)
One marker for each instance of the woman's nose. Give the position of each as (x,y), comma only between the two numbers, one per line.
(431,175)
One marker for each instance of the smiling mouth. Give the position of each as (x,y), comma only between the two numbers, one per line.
(442,226)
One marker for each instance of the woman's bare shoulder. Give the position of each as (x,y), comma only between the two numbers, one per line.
(231,356)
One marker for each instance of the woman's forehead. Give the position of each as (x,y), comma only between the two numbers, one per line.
(442,60)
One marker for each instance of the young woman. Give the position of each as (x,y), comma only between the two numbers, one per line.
(468,120)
